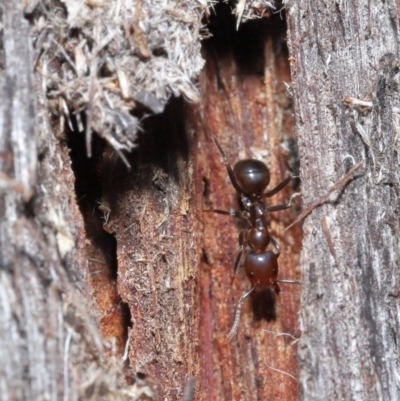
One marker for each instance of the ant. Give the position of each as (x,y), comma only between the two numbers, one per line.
(250,178)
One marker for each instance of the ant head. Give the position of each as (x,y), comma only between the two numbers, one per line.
(252,176)
(262,269)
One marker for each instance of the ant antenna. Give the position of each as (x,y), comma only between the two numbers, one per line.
(208,131)
(237,313)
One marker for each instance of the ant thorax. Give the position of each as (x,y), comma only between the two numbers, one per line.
(254,208)
(246,202)
(249,202)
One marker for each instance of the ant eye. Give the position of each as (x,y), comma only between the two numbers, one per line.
(251,274)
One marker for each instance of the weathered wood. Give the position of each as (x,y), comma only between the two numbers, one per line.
(153,218)
(350,259)
(49,345)
(350,316)
(38,223)
(54,267)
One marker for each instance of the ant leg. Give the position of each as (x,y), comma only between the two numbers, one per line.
(239,256)
(285,206)
(227,165)
(280,186)
(276,245)
(237,313)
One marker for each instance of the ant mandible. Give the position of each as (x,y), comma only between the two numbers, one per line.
(250,178)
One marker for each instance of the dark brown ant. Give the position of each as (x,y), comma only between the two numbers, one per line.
(250,178)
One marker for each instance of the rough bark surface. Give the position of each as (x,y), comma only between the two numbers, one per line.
(349,347)
(58,265)
(150,279)
(46,332)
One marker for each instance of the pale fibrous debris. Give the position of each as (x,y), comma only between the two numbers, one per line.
(251,9)
(103,58)
(352,101)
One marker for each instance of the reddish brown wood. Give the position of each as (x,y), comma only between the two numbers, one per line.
(244,101)
(153,218)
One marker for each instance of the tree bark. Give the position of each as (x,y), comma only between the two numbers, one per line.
(45,329)
(87,240)
(350,306)
(59,265)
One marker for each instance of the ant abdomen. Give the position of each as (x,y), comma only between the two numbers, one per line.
(262,269)
(252,176)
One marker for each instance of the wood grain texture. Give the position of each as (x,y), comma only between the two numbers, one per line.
(153,217)
(244,102)
(49,345)
(350,306)
(177,284)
